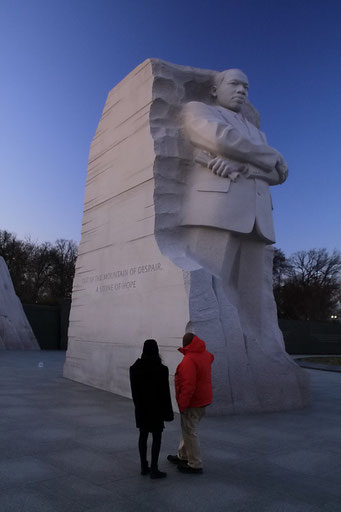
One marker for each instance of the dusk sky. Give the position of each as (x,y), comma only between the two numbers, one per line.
(60,58)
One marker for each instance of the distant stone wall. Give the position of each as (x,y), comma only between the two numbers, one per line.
(49,324)
(309,337)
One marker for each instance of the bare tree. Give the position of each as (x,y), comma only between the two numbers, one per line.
(281,267)
(310,289)
(64,255)
(315,266)
(41,273)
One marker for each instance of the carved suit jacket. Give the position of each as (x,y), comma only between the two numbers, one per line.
(217,201)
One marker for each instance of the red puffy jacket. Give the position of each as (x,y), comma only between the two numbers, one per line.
(193,384)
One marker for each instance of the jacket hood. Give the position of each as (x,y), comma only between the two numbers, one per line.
(196,345)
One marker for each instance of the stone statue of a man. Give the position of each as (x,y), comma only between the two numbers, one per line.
(179,157)
(227,211)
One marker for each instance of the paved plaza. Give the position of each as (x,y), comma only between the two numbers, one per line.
(69,447)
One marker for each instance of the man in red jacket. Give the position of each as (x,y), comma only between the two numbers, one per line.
(193,387)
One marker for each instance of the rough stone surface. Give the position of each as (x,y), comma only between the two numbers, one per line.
(125,290)
(133,278)
(15,331)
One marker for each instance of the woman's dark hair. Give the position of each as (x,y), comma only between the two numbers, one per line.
(151,351)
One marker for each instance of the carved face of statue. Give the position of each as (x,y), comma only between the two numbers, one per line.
(231,89)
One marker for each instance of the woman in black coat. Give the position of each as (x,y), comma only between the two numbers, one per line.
(151,396)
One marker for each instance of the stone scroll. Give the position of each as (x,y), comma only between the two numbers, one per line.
(134,279)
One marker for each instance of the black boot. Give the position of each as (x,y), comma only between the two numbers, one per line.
(156,473)
(145,469)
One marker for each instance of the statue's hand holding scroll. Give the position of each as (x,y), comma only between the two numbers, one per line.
(226,168)
(220,166)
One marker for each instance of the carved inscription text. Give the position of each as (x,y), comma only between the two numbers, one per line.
(120,280)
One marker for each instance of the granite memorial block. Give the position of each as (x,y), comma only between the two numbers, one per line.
(177,233)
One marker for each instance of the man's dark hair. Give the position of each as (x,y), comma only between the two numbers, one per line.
(188,337)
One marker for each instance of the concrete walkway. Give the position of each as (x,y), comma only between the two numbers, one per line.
(68,447)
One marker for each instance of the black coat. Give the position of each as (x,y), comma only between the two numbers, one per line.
(151,395)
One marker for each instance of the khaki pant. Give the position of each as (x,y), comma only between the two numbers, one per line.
(189,447)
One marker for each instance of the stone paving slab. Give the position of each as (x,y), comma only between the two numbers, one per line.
(69,447)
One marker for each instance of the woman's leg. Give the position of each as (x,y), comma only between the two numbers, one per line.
(143,450)
(156,445)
